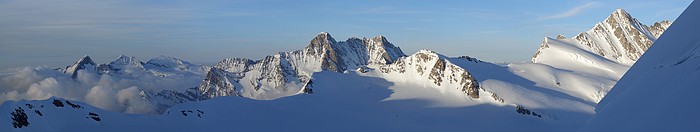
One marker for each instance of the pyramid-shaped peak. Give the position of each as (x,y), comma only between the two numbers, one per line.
(321,40)
(86,60)
(380,36)
(324,35)
(123,56)
(86,57)
(620,13)
(429,53)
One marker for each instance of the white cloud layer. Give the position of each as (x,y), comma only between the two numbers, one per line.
(119,93)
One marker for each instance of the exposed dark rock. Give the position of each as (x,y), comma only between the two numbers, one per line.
(94,116)
(308,88)
(364,69)
(57,103)
(30,106)
(470,59)
(524,111)
(217,83)
(73,105)
(200,113)
(19,118)
(38,112)
(495,97)
(183,112)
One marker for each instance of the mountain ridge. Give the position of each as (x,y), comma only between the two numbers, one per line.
(620,38)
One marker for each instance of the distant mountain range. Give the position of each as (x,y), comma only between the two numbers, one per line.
(327,80)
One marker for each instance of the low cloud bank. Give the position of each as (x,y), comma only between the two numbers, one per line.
(114,92)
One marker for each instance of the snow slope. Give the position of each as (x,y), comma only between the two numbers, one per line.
(361,84)
(619,40)
(358,103)
(659,93)
(589,64)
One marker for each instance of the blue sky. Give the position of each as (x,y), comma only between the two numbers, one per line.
(58,32)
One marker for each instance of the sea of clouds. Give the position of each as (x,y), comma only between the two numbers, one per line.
(114,92)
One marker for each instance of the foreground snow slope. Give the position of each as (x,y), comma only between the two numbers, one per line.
(404,96)
(660,92)
(341,102)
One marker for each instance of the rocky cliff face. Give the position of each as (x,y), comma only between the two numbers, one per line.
(235,65)
(217,83)
(349,54)
(167,98)
(287,73)
(659,27)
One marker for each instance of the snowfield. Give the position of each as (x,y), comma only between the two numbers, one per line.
(368,84)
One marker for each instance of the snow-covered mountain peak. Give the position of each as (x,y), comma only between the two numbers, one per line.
(85,63)
(168,62)
(285,73)
(621,20)
(659,27)
(620,38)
(323,33)
(620,13)
(381,51)
(122,64)
(234,65)
(85,60)
(425,53)
(322,40)
(164,65)
(380,38)
(126,61)
(429,67)
(217,83)
(659,92)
